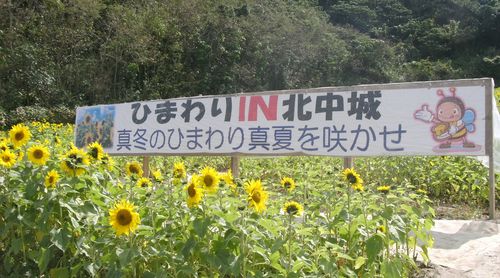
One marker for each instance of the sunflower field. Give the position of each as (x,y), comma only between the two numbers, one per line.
(71,212)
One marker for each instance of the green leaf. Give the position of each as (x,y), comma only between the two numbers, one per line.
(374,245)
(30,190)
(278,267)
(392,269)
(92,268)
(43,259)
(305,231)
(60,238)
(190,243)
(298,265)
(149,275)
(200,226)
(269,225)
(360,261)
(16,245)
(61,272)
(125,256)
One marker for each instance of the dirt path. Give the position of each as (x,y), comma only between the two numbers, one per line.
(465,248)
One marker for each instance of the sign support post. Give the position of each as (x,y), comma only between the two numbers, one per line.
(491,180)
(145,165)
(489,147)
(235,166)
(348,162)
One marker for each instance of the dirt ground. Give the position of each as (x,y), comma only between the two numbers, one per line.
(464,248)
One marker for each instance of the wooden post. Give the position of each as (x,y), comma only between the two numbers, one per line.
(235,166)
(490,110)
(348,162)
(145,166)
(491,193)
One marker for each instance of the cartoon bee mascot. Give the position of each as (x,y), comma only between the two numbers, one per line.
(451,121)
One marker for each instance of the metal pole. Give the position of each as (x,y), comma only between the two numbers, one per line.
(145,166)
(491,194)
(235,166)
(490,106)
(348,162)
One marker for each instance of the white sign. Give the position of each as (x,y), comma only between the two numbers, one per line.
(422,118)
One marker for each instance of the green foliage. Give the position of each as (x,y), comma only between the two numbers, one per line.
(65,231)
(84,52)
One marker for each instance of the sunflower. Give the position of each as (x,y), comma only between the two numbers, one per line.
(293,208)
(381,229)
(108,161)
(352,178)
(7,158)
(19,135)
(253,185)
(124,218)
(95,151)
(228,179)
(20,156)
(194,193)
(157,176)
(384,189)
(209,179)
(179,171)
(74,162)
(51,179)
(4,144)
(38,154)
(133,169)
(144,182)
(257,196)
(288,184)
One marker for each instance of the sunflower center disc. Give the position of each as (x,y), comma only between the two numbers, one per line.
(351,178)
(38,154)
(134,170)
(256,197)
(292,210)
(94,153)
(191,191)
(287,184)
(177,173)
(6,158)
(124,217)
(19,136)
(208,181)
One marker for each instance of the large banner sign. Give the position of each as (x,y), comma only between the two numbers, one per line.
(422,118)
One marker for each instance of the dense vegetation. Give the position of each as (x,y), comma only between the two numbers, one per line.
(66,212)
(58,54)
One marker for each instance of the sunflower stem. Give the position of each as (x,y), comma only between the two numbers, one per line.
(387,229)
(289,265)
(415,241)
(22,237)
(305,201)
(243,244)
(348,219)
(407,241)
(364,214)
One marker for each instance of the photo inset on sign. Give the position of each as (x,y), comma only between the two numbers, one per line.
(451,122)
(95,124)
